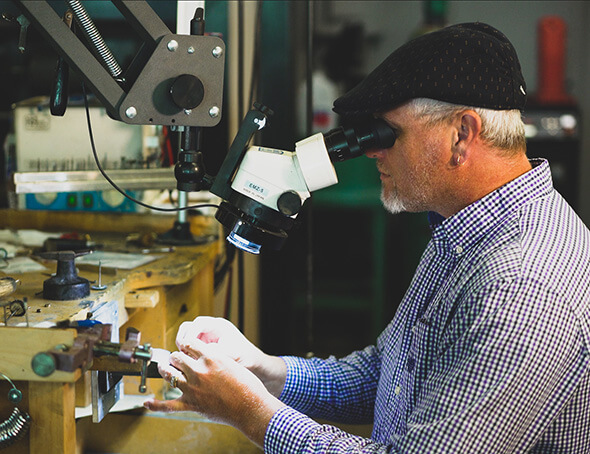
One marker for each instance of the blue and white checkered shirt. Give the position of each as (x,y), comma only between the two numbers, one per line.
(488,352)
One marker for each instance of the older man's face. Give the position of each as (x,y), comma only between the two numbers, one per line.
(412,171)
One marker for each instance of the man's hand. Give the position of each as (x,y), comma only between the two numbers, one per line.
(218,387)
(222,332)
(270,369)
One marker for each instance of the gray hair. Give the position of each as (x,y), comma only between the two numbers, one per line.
(502,129)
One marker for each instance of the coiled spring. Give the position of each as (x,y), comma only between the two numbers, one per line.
(17,425)
(92,34)
(14,428)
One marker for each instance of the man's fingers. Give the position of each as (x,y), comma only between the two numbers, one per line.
(183,363)
(195,348)
(172,374)
(165,405)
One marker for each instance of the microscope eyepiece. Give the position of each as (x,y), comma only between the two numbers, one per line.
(347,143)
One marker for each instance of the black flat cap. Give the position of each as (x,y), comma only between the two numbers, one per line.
(470,64)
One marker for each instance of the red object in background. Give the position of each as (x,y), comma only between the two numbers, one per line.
(70,236)
(552,34)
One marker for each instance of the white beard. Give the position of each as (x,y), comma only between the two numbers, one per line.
(391,202)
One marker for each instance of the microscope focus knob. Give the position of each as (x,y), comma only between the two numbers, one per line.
(289,203)
(187,91)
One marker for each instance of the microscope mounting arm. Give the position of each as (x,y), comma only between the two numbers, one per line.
(159,85)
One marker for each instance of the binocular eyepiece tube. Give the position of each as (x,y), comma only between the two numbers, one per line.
(347,143)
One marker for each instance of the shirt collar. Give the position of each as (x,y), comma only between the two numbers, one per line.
(461,231)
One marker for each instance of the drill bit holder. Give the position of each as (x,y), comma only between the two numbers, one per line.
(66,284)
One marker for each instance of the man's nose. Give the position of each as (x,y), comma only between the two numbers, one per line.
(375,153)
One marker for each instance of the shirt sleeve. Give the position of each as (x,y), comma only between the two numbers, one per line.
(341,390)
(495,387)
(289,431)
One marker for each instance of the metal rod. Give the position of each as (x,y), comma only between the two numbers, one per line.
(182,202)
(92,180)
(309,126)
(241,280)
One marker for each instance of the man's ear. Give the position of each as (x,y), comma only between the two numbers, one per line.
(469,126)
(468,130)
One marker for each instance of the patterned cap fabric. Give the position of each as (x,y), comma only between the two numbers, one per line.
(470,64)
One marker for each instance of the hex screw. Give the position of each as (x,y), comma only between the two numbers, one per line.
(131,112)
(172,45)
(214,112)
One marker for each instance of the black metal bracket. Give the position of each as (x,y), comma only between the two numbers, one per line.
(145,96)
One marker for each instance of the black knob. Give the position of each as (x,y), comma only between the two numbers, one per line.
(187,91)
(289,203)
(189,171)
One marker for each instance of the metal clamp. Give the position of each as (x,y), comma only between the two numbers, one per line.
(90,346)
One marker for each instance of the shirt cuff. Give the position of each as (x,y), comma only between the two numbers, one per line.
(300,390)
(288,431)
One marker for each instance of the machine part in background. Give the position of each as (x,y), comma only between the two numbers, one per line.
(92,342)
(91,201)
(71,181)
(66,284)
(18,423)
(37,131)
(160,64)
(189,170)
(180,235)
(72,243)
(99,286)
(130,352)
(107,360)
(552,49)
(59,91)
(107,386)
(69,358)
(552,117)
(3,258)
(7,286)
(15,308)
(174,80)
(554,133)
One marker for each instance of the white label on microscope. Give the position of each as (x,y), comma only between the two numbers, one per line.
(255,190)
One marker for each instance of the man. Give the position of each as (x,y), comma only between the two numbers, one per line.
(489,349)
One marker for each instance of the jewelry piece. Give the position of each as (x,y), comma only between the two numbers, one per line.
(173,381)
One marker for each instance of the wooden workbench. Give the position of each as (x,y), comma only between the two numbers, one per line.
(154,298)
